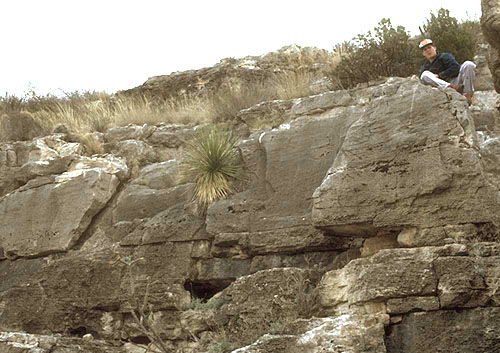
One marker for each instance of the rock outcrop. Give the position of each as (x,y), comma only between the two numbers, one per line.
(490,23)
(234,73)
(368,222)
(406,162)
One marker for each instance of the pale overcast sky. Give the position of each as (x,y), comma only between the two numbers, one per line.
(109,45)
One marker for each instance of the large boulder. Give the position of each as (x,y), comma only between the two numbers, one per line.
(155,189)
(460,331)
(484,79)
(92,292)
(273,212)
(409,159)
(252,304)
(441,286)
(23,161)
(490,23)
(485,111)
(451,276)
(345,333)
(42,217)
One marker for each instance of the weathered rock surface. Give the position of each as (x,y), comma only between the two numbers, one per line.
(289,162)
(31,228)
(23,161)
(453,276)
(484,81)
(424,289)
(490,23)
(252,303)
(90,292)
(385,195)
(231,72)
(411,159)
(27,343)
(486,112)
(345,333)
(155,189)
(460,331)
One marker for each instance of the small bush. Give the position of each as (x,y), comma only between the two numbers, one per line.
(387,51)
(213,164)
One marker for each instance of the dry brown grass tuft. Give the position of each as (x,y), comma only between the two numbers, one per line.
(87,112)
(230,100)
(294,84)
(19,126)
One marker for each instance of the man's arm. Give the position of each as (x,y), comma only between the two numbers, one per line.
(422,69)
(451,67)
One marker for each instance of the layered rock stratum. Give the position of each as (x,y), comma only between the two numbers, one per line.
(368,222)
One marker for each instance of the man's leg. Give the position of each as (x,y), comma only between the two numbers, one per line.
(467,76)
(429,78)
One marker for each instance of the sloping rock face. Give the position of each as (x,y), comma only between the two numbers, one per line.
(407,162)
(438,298)
(273,214)
(374,210)
(29,227)
(490,23)
(234,73)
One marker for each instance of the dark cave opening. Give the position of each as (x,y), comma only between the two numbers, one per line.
(205,290)
(144,340)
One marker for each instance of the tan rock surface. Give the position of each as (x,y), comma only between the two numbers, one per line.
(410,159)
(49,214)
(490,24)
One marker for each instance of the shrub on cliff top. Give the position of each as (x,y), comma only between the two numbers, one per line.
(451,36)
(388,51)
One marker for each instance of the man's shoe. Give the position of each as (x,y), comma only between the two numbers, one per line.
(468,96)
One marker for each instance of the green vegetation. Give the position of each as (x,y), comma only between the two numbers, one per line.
(451,36)
(387,51)
(213,164)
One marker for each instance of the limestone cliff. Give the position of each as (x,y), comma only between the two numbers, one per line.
(368,223)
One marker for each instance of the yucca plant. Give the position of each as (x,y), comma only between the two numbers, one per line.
(213,163)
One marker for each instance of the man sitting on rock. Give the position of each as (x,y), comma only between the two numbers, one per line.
(442,70)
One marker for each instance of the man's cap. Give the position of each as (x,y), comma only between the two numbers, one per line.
(424,43)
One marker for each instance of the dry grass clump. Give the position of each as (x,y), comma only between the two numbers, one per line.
(301,58)
(190,110)
(19,126)
(226,103)
(83,113)
(294,84)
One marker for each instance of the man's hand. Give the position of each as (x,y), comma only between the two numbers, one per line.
(414,77)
